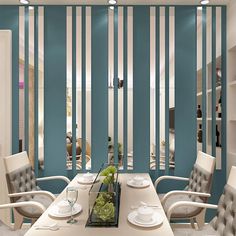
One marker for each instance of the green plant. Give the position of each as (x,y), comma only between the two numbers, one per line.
(109,172)
(104,207)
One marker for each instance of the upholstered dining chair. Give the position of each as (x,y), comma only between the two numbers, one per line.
(22,186)
(197,190)
(224,223)
(6,230)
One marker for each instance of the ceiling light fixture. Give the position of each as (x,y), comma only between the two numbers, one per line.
(205,2)
(25,2)
(112,2)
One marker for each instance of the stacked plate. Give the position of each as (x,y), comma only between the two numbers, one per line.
(62,209)
(138,182)
(155,220)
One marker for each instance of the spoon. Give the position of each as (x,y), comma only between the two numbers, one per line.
(52,227)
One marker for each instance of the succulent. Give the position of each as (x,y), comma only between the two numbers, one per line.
(104,207)
(109,173)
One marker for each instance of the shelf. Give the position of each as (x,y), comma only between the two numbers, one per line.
(210,119)
(218,88)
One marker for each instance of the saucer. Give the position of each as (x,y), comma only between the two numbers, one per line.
(54,211)
(82,180)
(144,184)
(157,220)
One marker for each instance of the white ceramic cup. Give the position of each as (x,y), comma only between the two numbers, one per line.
(88,177)
(63,207)
(145,213)
(138,180)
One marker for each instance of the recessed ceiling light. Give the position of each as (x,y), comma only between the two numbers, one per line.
(204,2)
(24,2)
(112,7)
(112,2)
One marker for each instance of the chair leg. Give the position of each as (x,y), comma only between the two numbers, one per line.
(18,220)
(192,221)
(33,220)
(200,219)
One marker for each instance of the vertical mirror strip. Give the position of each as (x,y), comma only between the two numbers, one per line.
(224,87)
(204,80)
(36,91)
(152,89)
(130,86)
(41,87)
(213,85)
(69,111)
(157,86)
(125,90)
(20,84)
(75,147)
(115,79)
(167,75)
(26,79)
(78,85)
(84,76)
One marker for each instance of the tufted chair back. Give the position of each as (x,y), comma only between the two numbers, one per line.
(19,175)
(225,221)
(200,179)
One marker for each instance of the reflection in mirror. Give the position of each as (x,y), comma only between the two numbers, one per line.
(130,89)
(69,89)
(41,87)
(31,103)
(199,109)
(172,89)
(152,90)
(162,88)
(21,78)
(88,91)
(110,85)
(120,87)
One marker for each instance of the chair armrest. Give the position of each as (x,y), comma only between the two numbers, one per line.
(186,203)
(24,204)
(64,178)
(165,177)
(40,192)
(175,192)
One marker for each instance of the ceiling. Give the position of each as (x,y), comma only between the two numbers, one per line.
(121,2)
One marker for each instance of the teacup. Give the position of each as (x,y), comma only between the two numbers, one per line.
(145,213)
(88,177)
(63,207)
(138,180)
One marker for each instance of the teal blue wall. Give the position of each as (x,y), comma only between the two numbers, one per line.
(55,89)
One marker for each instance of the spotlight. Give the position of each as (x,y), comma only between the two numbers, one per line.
(112,2)
(204,2)
(25,2)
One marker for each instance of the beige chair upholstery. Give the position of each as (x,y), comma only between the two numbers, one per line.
(22,186)
(224,223)
(198,189)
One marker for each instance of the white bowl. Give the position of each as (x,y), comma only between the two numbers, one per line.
(63,206)
(138,180)
(145,213)
(88,177)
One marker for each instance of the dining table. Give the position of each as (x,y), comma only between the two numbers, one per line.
(129,198)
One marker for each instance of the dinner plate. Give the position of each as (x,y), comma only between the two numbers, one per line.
(81,180)
(145,184)
(157,220)
(54,211)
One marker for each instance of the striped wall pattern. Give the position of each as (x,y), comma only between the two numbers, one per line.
(132,44)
